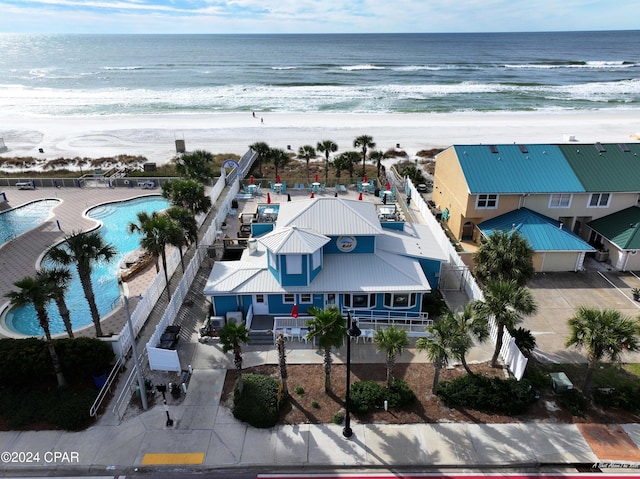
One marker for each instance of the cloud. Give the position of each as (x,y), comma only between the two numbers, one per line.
(314,16)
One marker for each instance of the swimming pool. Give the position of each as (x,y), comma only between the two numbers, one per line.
(115,218)
(23,218)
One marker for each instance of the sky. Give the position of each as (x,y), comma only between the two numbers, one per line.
(315,16)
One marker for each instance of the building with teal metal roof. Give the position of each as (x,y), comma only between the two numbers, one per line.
(504,169)
(619,235)
(557,249)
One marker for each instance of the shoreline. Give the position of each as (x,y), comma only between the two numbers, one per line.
(153,136)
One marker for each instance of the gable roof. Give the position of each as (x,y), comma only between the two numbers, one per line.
(621,228)
(542,233)
(516,169)
(293,240)
(331,216)
(605,167)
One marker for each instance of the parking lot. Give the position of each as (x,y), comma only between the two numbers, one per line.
(559,294)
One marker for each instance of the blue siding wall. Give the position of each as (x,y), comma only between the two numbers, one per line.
(364,244)
(431,270)
(294,279)
(223,304)
(393,225)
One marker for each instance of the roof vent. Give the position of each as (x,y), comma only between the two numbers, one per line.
(493,148)
(600,148)
(523,149)
(624,147)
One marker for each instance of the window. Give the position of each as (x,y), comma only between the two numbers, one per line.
(289,298)
(259,298)
(316,259)
(359,300)
(487,202)
(294,264)
(272,260)
(599,200)
(400,300)
(305,298)
(560,200)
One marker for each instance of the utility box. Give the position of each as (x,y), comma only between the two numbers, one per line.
(180,146)
(234,317)
(560,382)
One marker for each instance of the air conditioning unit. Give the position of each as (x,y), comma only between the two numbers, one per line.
(234,317)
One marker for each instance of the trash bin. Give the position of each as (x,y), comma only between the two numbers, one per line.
(560,382)
(234,204)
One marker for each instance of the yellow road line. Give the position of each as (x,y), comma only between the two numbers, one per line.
(173,458)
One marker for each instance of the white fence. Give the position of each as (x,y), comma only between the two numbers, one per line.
(509,353)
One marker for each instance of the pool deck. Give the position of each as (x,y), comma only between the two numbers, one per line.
(19,257)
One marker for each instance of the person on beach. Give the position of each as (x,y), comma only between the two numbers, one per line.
(254,114)
(261,120)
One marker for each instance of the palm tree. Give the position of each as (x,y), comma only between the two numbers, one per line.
(329,326)
(604,333)
(306,152)
(157,232)
(364,142)
(346,161)
(37,291)
(393,340)
(262,149)
(466,326)
(59,279)
(506,302)
(232,337)
(327,147)
(189,194)
(504,256)
(378,156)
(437,347)
(282,361)
(84,249)
(525,340)
(195,166)
(278,157)
(186,220)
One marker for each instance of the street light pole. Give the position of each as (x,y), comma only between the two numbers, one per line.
(352,332)
(134,351)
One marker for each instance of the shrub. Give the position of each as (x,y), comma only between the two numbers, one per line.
(25,363)
(574,401)
(338,418)
(82,358)
(624,397)
(299,390)
(495,395)
(258,402)
(368,395)
(315,404)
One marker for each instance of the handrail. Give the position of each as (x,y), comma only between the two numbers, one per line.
(106,387)
(126,389)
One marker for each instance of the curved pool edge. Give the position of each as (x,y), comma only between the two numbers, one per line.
(48,218)
(5,330)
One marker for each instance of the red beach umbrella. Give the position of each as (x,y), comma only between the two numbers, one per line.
(364,180)
(294,310)
(316,177)
(312,195)
(251,180)
(268,198)
(388,187)
(360,196)
(278,179)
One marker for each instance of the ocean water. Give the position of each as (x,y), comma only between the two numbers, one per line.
(51,75)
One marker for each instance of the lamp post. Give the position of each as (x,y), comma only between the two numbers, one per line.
(352,332)
(134,351)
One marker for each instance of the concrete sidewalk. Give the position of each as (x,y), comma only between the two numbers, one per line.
(206,435)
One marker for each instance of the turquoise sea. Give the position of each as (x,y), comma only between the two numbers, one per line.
(51,75)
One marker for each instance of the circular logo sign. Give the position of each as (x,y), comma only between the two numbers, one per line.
(346,243)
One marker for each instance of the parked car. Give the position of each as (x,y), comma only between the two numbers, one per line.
(422,188)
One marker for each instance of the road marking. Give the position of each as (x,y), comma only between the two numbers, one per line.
(173,458)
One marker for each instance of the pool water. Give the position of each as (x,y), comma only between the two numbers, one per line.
(24,218)
(115,218)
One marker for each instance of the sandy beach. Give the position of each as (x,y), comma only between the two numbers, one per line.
(153,136)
